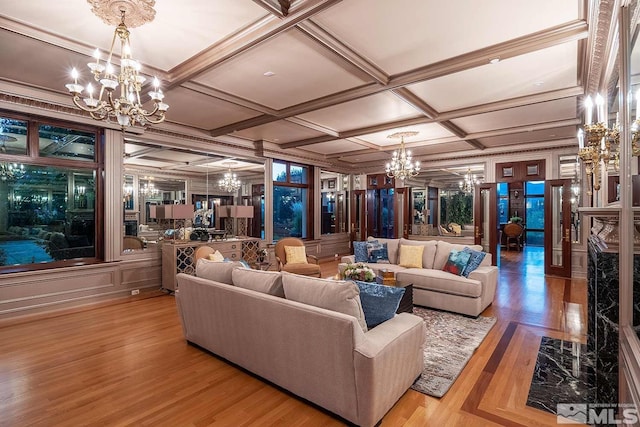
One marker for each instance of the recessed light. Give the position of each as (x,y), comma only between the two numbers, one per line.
(494,60)
(538,83)
(269,74)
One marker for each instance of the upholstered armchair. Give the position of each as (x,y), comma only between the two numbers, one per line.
(306,265)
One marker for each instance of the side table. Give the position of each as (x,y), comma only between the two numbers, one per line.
(406,303)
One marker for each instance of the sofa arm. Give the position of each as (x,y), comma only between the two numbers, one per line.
(348,259)
(488,276)
(387,362)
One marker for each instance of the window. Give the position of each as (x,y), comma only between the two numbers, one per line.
(48,214)
(291,201)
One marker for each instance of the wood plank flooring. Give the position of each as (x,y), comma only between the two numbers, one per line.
(126,363)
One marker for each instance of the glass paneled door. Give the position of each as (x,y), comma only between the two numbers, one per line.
(485,219)
(557,220)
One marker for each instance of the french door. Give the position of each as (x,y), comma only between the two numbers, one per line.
(485,219)
(557,224)
(358,215)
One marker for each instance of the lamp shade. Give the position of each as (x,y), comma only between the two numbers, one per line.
(244,212)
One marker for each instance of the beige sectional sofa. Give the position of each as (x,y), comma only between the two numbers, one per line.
(435,288)
(324,356)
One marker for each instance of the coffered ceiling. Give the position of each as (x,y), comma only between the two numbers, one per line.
(327,83)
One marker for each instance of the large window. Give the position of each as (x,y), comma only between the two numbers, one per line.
(291,201)
(48,188)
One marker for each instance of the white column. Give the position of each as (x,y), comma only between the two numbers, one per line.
(113,215)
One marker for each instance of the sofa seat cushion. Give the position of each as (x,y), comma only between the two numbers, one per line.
(303,269)
(440,281)
(335,295)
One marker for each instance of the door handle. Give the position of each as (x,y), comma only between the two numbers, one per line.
(477,232)
(567,235)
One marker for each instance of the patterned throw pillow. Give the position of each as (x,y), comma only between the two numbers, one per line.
(379,303)
(377,252)
(360,251)
(411,256)
(296,254)
(457,262)
(474,260)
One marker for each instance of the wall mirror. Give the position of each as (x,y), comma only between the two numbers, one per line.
(334,202)
(156,175)
(442,200)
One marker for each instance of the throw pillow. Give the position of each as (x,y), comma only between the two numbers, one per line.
(379,302)
(216,256)
(360,251)
(334,295)
(377,252)
(296,254)
(411,256)
(457,262)
(266,282)
(475,259)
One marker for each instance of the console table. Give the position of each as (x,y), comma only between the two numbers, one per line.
(177,257)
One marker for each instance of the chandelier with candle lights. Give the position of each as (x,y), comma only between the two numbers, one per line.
(468,183)
(401,165)
(230,181)
(125,105)
(597,143)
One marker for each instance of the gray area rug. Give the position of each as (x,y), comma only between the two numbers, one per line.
(451,341)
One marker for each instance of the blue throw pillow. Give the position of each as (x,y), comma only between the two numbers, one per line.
(379,302)
(360,251)
(474,260)
(377,252)
(457,262)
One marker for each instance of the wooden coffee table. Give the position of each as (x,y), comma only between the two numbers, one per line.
(406,303)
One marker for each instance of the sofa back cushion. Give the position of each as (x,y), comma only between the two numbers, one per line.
(444,249)
(216,271)
(392,248)
(335,295)
(429,252)
(267,282)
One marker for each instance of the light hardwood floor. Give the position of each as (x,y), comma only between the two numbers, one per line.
(126,363)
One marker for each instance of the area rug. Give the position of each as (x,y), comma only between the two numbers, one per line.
(451,341)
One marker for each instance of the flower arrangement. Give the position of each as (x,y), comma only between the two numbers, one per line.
(359,271)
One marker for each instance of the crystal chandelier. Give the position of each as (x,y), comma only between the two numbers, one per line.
(468,183)
(600,143)
(230,181)
(149,189)
(401,165)
(11,171)
(126,107)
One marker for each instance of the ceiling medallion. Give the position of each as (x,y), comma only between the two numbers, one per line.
(110,11)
